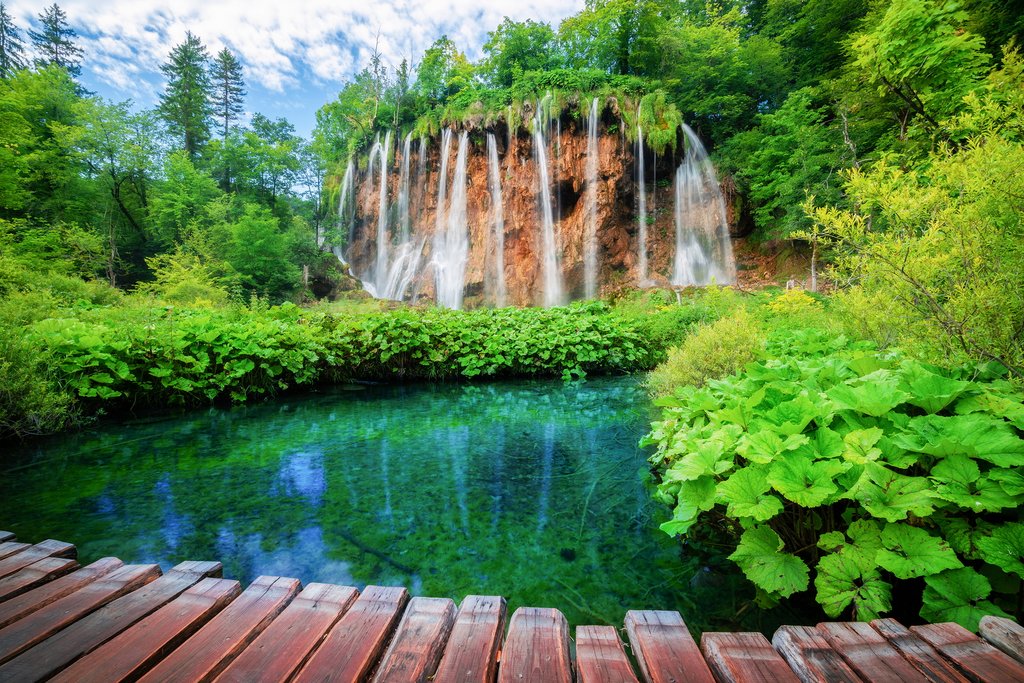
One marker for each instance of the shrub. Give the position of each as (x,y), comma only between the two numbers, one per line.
(714,350)
(856,470)
(31,402)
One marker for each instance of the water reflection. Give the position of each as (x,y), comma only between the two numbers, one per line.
(531,490)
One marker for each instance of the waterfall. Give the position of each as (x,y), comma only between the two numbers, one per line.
(590,234)
(498,218)
(703,248)
(403,191)
(383,242)
(346,211)
(551,258)
(451,239)
(641,213)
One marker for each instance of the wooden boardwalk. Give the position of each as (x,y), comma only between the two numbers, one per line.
(110,622)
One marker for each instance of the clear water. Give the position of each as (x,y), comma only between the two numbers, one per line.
(533,490)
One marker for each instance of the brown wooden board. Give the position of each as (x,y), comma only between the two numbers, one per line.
(352,646)
(811,657)
(35,574)
(744,657)
(6,536)
(47,548)
(978,660)
(537,648)
(664,648)
(205,654)
(37,598)
(287,642)
(472,652)
(43,623)
(868,653)
(1005,634)
(92,630)
(138,648)
(919,653)
(9,548)
(600,657)
(419,640)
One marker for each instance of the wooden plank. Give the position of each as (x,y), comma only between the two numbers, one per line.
(42,623)
(664,648)
(978,660)
(137,649)
(208,652)
(287,642)
(811,657)
(1005,634)
(600,657)
(10,548)
(744,657)
(868,653)
(89,632)
(353,645)
(537,647)
(6,536)
(418,643)
(919,653)
(472,652)
(37,573)
(47,548)
(37,598)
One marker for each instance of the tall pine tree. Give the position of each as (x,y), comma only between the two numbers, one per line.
(185,102)
(12,51)
(54,42)
(228,89)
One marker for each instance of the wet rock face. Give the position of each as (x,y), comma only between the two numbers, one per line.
(567,156)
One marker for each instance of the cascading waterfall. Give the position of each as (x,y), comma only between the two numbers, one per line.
(498,221)
(590,234)
(641,206)
(346,210)
(451,239)
(383,241)
(554,291)
(404,219)
(703,248)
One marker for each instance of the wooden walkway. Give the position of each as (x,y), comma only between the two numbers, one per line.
(110,621)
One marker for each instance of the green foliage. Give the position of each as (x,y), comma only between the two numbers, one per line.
(514,47)
(185,103)
(714,350)
(860,468)
(31,400)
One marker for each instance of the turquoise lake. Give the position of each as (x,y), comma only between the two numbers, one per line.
(531,490)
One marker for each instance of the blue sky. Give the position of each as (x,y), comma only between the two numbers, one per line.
(296,54)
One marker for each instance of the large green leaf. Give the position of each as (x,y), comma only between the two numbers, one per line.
(1004,548)
(1000,406)
(875,394)
(963,535)
(958,479)
(977,435)
(930,390)
(859,445)
(841,581)
(805,481)
(708,459)
(958,595)
(759,554)
(892,496)
(765,445)
(909,552)
(746,494)
(1012,480)
(792,417)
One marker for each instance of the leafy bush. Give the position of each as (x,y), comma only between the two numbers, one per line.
(858,469)
(714,350)
(31,402)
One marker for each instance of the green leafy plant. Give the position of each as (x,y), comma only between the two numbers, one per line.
(857,470)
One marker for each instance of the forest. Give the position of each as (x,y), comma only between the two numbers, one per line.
(859,436)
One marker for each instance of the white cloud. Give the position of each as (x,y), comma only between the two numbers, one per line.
(279,42)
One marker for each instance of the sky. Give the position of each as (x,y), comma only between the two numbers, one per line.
(296,53)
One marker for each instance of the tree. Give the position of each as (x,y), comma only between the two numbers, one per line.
(228,88)
(443,71)
(517,47)
(185,102)
(55,42)
(12,50)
